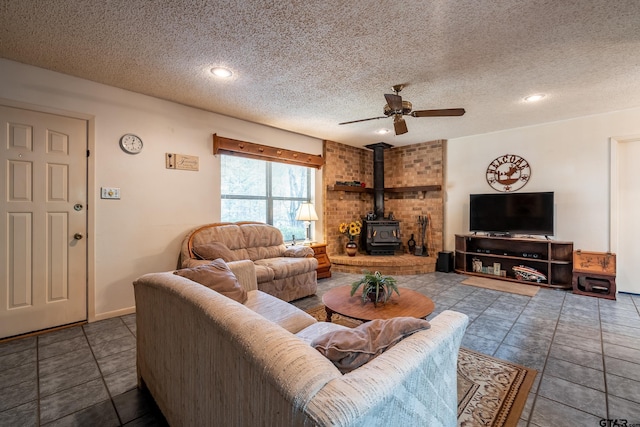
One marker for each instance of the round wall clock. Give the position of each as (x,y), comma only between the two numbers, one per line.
(131,143)
(508,173)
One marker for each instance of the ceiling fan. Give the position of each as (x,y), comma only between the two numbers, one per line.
(397,108)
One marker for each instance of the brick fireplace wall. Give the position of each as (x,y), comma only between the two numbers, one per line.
(409,166)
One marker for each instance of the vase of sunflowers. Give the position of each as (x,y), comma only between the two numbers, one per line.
(351,230)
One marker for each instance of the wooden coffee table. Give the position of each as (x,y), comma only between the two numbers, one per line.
(408,304)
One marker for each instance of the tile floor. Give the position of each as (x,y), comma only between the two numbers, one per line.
(586,350)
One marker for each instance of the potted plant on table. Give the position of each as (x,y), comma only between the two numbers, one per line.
(375,287)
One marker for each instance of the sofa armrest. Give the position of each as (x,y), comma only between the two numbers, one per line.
(298,252)
(421,369)
(245,272)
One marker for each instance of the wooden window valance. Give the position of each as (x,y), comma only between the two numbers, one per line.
(250,150)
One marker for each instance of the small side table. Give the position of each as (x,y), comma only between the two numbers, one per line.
(324,263)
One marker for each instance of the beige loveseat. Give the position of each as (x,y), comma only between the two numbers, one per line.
(211,361)
(285,272)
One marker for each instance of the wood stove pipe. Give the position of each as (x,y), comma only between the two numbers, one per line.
(378,177)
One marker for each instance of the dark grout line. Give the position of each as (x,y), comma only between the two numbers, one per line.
(38,414)
(104,382)
(546,360)
(604,364)
(102,378)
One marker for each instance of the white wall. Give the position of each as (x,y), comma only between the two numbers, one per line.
(142,232)
(569,157)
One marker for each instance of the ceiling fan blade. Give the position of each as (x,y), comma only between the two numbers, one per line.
(439,113)
(399,125)
(393,101)
(363,120)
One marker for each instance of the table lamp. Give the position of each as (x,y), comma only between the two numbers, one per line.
(307,213)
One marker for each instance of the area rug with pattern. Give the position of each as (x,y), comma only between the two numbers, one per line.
(491,392)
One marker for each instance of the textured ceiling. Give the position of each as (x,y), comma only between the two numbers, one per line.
(306,66)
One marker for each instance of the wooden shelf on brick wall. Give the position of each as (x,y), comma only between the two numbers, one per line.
(413,189)
(349,188)
(354,189)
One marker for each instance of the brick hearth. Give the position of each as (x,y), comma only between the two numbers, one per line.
(400,265)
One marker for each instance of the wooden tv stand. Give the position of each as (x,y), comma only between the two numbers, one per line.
(552,258)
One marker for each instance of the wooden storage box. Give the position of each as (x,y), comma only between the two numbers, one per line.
(594,262)
(594,274)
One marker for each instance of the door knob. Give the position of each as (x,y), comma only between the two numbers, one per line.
(78,236)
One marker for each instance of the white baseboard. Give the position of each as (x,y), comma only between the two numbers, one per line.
(115,313)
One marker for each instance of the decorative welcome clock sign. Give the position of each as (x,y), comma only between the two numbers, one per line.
(509,172)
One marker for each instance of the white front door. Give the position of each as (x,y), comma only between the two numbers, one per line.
(626,212)
(43,203)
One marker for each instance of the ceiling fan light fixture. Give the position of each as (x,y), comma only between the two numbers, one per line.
(221,72)
(382,131)
(406,109)
(398,108)
(534,98)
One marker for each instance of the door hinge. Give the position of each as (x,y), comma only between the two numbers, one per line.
(88,153)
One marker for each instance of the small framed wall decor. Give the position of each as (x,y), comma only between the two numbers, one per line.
(182,162)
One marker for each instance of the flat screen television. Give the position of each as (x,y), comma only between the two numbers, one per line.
(512,213)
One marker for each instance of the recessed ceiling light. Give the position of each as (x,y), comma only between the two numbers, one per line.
(534,98)
(382,131)
(221,72)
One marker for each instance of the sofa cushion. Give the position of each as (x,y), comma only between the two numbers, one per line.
(230,235)
(263,273)
(216,275)
(213,250)
(262,241)
(351,348)
(263,252)
(291,288)
(312,332)
(286,267)
(299,251)
(278,311)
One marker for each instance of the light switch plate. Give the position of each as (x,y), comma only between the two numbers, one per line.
(110,193)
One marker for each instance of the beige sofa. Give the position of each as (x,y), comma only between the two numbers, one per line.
(285,272)
(210,361)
